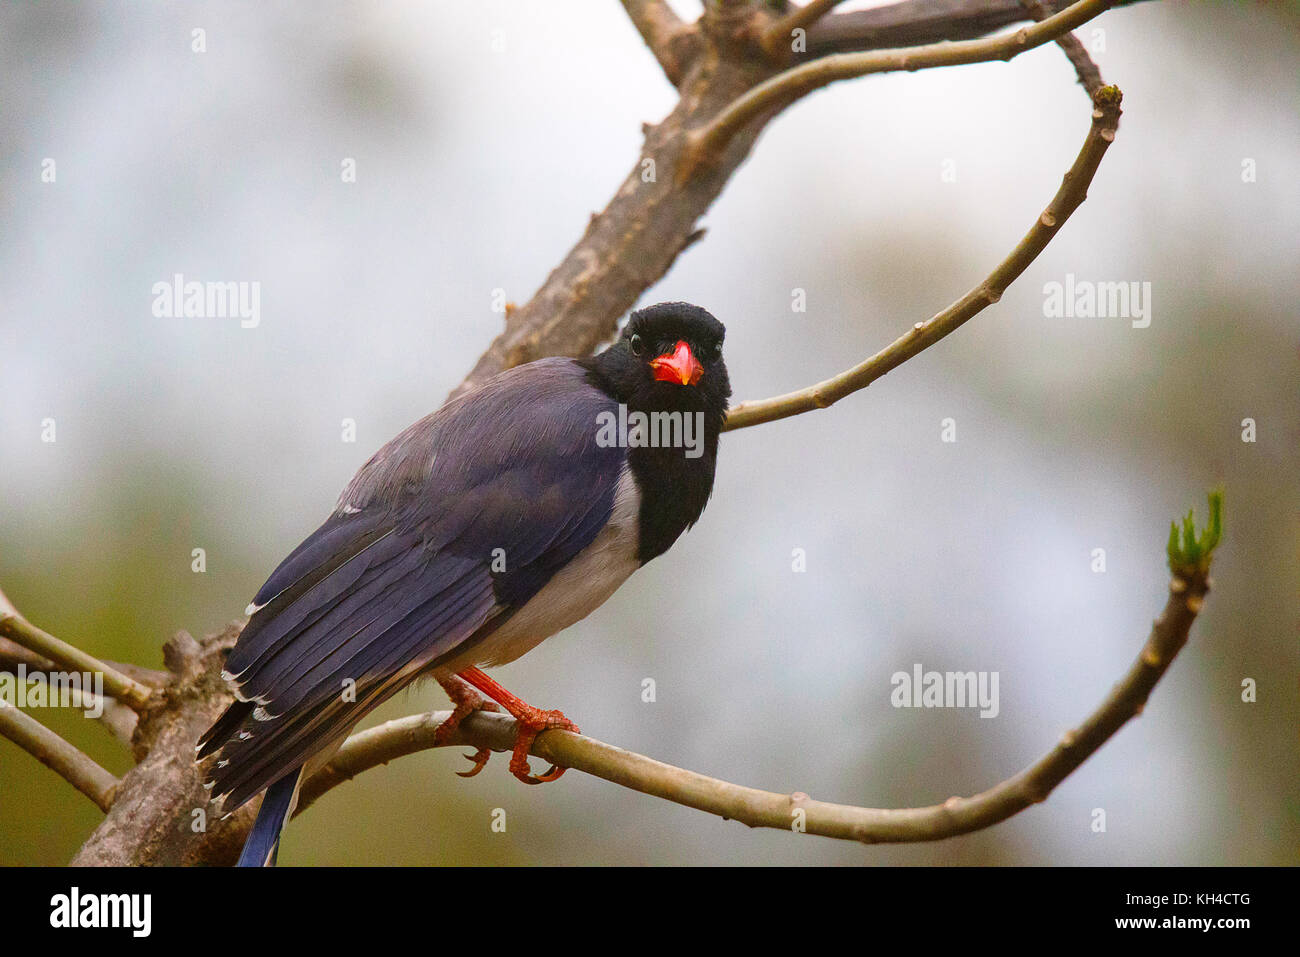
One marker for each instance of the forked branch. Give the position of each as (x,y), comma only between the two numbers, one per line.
(22,632)
(706,144)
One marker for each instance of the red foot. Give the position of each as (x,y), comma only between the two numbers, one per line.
(466,701)
(531,722)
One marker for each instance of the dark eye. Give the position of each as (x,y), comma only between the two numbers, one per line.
(709,351)
(638,345)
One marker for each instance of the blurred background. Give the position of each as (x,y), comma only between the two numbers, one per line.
(483,136)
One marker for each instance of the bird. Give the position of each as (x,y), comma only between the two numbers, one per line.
(507,515)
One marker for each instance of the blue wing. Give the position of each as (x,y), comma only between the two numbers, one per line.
(402,573)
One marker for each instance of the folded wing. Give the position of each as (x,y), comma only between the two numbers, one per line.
(441,536)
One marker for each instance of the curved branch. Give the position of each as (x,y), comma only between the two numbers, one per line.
(1073,191)
(785,88)
(757,808)
(58,755)
(22,632)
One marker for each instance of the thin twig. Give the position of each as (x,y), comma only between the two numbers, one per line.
(914,22)
(796,811)
(1087,70)
(787,87)
(118,718)
(13,655)
(1073,191)
(776,38)
(21,631)
(58,755)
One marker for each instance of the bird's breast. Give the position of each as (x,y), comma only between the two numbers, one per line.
(573,592)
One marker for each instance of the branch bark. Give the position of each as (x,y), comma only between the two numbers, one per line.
(674,43)
(160,811)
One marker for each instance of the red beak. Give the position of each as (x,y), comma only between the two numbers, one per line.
(681,367)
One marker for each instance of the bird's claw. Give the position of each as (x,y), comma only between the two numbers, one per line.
(466,701)
(531,724)
(480,759)
(553,774)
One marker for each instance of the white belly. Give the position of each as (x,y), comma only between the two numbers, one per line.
(576,590)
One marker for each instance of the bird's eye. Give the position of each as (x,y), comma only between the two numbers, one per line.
(638,345)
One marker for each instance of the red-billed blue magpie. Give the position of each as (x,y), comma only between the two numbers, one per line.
(512,512)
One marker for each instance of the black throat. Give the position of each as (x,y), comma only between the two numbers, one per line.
(674,486)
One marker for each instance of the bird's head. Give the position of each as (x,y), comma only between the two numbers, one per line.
(669,357)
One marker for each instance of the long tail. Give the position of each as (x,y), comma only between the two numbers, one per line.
(264,839)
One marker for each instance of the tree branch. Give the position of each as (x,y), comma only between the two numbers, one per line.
(917,22)
(674,44)
(58,755)
(22,632)
(118,718)
(159,804)
(787,87)
(1084,66)
(1073,191)
(13,655)
(777,37)
(651,219)
(757,808)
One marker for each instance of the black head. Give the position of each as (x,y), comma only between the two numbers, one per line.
(668,357)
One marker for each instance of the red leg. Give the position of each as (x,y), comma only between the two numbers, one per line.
(531,721)
(466,701)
